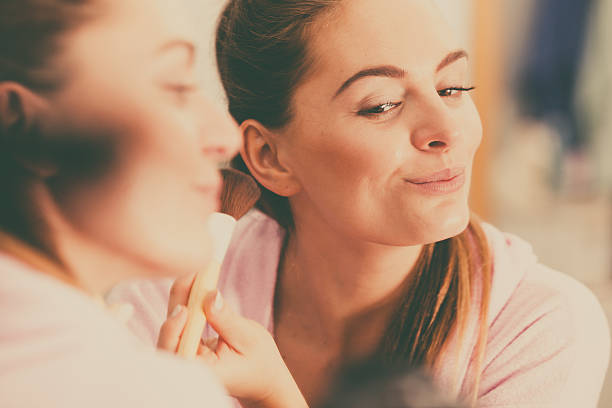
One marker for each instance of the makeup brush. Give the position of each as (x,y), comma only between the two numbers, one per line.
(238,195)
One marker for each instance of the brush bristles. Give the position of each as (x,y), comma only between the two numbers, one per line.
(239,194)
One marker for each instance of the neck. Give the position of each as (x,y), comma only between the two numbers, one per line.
(87,263)
(95,267)
(341,287)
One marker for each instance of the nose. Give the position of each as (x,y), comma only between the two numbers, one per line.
(220,136)
(433,126)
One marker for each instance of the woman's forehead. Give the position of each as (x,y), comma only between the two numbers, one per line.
(406,33)
(129,33)
(155,19)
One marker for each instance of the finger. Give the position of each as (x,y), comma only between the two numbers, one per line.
(225,373)
(208,354)
(171,330)
(239,333)
(179,293)
(211,343)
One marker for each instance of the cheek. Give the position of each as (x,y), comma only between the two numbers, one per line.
(347,179)
(473,128)
(345,160)
(146,203)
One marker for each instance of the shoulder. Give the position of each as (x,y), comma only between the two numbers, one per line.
(548,305)
(249,271)
(149,299)
(43,302)
(520,280)
(524,286)
(160,380)
(86,347)
(548,335)
(78,355)
(254,233)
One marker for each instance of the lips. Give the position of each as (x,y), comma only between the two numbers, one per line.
(444,175)
(441,182)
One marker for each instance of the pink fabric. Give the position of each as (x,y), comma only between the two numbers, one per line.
(548,343)
(59,348)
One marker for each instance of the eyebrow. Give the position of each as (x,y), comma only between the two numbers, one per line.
(390,71)
(452,57)
(179,43)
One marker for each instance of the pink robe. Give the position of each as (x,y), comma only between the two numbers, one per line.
(61,349)
(548,343)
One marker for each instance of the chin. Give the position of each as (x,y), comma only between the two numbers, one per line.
(443,225)
(178,257)
(194,260)
(180,264)
(189,252)
(454,225)
(420,227)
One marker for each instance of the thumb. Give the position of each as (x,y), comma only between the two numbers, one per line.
(234,329)
(170,332)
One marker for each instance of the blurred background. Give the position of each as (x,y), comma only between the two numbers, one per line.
(543,69)
(543,72)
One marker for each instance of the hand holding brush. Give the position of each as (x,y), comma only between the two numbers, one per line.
(238,195)
(245,358)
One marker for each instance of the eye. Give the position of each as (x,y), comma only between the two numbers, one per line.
(379,110)
(180,91)
(454,91)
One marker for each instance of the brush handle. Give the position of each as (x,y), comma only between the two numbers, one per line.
(221,227)
(205,282)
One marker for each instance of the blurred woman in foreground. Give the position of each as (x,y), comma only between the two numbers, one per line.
(108,154)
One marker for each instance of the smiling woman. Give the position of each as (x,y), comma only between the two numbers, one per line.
(357,122)
(376,161)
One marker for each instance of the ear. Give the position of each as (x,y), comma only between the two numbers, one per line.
(260,152)
(20,109)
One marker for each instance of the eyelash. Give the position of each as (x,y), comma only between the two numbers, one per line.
(380,111)
(457,90)
(180,91)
